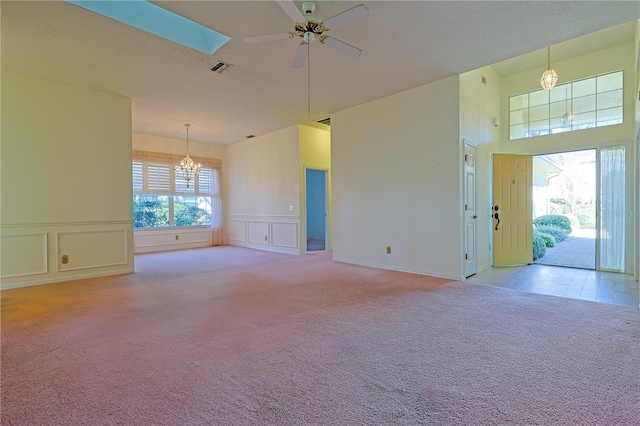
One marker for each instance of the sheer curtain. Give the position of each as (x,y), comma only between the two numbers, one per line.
(217,234)
(612,209)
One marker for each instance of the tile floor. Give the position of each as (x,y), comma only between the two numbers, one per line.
(604,287)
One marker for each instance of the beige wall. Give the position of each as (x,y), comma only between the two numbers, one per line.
(262,202)
(396,181)
(76,197)
(479,104)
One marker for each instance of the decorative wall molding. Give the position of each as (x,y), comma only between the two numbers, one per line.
(32,253)
(65,224)
(156,240)
(91,249)
(278,233)
(14,264)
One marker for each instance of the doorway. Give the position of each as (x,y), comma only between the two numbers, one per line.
(611,244)
(316,207)
(565,184)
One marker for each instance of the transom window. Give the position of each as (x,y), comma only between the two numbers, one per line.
(581,104)
(162,199)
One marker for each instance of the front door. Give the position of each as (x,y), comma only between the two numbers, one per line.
(512,210)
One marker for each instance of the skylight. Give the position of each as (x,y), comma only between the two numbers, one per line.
(153,19)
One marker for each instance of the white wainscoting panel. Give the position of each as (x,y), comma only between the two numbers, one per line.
(237,230)
(32,253)
(258,232)
(281,232)
(284,235)
(15,264)
(156,240)
(92,249)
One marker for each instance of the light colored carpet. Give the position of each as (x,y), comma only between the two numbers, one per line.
(231,336)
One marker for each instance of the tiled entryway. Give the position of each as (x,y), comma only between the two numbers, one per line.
(604,287)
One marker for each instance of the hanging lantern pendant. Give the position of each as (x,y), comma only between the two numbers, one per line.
(190,169)
(549,77)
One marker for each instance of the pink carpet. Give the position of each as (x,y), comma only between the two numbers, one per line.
(232,336)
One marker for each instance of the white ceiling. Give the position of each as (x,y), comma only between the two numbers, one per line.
(405,44)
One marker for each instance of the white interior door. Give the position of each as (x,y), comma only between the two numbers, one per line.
(470,214)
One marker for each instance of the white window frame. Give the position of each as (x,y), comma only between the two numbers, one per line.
(173,186)
(569,100)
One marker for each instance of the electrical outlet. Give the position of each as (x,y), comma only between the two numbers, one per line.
(65,259)
(388,249)
(265,238)
(177,237)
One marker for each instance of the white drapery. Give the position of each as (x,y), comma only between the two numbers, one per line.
(217,234)
(612,209)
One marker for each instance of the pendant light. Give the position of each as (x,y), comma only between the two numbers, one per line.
(190,169)
(549,77)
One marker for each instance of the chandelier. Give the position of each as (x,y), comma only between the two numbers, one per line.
(189,168)
(549,77)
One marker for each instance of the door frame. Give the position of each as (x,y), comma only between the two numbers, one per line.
(303,218)
(472,144)
(632,261)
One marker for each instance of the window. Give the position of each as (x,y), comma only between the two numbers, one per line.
(582,104)
(162,199)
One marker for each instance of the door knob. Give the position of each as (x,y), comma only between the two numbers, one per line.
(475,216)
(498,219)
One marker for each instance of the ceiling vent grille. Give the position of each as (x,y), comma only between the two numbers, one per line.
(220,67)
(326,121)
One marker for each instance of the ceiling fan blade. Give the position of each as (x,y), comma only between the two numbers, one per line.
(346,17)
(266,37)
(292,10)
(301,55)
(342,47)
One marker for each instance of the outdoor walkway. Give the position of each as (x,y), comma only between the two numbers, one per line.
(577,251)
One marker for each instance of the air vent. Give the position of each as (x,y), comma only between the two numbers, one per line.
(326,121)
(220,67)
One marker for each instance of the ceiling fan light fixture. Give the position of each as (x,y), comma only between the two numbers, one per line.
(308,37)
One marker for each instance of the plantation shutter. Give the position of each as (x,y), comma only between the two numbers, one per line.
(158,179)
(204,181)
(138,179)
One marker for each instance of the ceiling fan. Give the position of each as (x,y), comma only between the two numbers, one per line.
(310,28)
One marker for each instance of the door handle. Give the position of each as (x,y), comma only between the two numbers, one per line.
(475,216)
(498,219)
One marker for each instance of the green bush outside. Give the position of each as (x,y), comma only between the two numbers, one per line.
(558,233)
(555,220)
(539,248)
(575,222)
(549,240)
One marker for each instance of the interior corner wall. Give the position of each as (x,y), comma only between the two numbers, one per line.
(76,197)
(396,182)
(315,153)
(156,240)
(479,105)
(262,187)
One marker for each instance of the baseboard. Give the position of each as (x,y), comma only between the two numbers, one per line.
(274,249)
(66,279)
(394,268)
